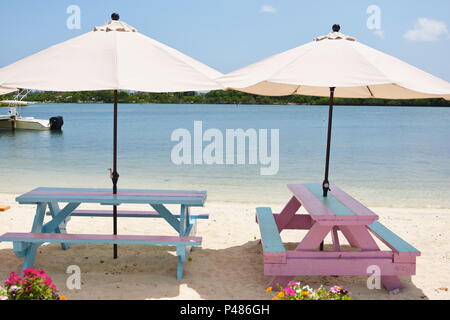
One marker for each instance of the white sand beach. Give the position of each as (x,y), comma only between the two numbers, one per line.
(229,263)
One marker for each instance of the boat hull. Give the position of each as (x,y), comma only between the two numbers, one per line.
(25,124)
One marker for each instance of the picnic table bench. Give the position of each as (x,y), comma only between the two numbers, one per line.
(337,212)
(54,231)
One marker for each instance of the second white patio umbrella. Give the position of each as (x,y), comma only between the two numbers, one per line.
(336,65)
(115,57)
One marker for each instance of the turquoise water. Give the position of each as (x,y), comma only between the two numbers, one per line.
(382,156)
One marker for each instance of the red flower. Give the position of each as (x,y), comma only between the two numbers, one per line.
(48,281)
(31,272)
(42,273)
(14,279)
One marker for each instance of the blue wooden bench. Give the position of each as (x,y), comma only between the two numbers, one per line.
(273,247)
(392,240)
(54,231)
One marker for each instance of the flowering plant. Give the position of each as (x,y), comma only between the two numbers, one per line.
(339,293)
(3,294)
(295,291)
(31,284)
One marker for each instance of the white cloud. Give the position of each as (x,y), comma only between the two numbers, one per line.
(268,9)
(427,30)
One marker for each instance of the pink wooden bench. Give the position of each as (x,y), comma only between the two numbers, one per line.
(337,213)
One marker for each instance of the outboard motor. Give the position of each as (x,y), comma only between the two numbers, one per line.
(56,123)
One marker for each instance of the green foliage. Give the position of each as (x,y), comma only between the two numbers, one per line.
(213,97)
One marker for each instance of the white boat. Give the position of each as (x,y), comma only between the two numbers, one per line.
(14,120)
(17,102)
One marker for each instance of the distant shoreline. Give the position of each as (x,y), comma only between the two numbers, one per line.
(234,104)
(230,97)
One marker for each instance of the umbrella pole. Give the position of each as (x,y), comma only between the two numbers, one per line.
(114,174)
(326,183)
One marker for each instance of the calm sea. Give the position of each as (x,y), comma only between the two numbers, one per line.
(382,156)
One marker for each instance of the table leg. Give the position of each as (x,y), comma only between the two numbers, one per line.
(62,215)
(288,212)
(360,237)
(391,283)
(190,226)
(335,238)
(27,250)
(286,215)
(193,227)
(187,228)
(180,268)
(167,215)
(182,227)
(349,236)
(30,255)
(314,237)
(54,211)
(184,221)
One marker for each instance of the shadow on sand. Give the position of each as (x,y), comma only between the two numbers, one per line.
(148,272)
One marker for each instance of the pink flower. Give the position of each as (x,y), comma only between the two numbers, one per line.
(289,291)
(335,289)
(31,273)
(48,281)
(14,279)
(292,284)
(30,270)
(340,290)
(42,273)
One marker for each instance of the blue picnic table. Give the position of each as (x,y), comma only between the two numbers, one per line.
(25,245)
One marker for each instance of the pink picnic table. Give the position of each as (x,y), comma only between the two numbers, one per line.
(337,214)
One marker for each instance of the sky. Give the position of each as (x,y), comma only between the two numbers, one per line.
(231,34)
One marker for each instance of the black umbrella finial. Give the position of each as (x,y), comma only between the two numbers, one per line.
(336,28)
(115,16)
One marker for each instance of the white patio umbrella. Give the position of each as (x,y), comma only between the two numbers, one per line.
(115,57)
(336,65)
(111,57)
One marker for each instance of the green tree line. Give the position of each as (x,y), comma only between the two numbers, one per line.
(211,97)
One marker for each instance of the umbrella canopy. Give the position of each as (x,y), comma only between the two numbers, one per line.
(336,65)
(340,61)
(113,56)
